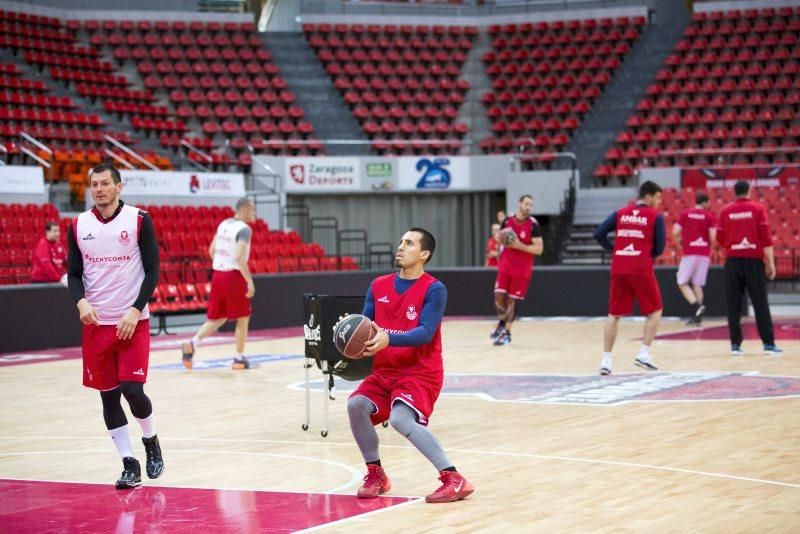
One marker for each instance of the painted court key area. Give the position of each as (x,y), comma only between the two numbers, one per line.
(34,506)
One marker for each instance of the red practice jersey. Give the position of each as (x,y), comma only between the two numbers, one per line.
(515,262)
(743,229)
(397,314)
(696,224)
(633,245)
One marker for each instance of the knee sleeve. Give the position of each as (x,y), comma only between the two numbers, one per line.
(141,408)
(113,414)
(360,405)
(403,419)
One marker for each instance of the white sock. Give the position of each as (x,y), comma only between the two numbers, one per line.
(122,441)
(196,341)
(606,355)
(240,355)
(644,350)
(148,425)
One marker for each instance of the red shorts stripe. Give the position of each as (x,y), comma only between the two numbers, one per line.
(627,287)
(418,394)
(228,298)
(107,360)
(515,286)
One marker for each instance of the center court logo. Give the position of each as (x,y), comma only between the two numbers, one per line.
(621,389)
(615,390)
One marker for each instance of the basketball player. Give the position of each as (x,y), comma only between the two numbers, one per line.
(112,273)
(750,262)
(231,283)
(515,267)
(407,372)
(695,229)
(641,236)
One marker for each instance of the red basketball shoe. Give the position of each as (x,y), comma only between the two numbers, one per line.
(454,488)
(375,483)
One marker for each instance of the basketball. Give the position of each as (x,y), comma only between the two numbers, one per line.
(351,335)
(507,235)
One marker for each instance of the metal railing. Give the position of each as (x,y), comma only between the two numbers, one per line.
(130,152)
(28,152)
(469,8)
(190,148)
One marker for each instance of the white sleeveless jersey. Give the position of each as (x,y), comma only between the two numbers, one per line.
(225,246)
(112,263)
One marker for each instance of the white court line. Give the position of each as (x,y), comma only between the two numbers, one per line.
(358,517)
(355,475)
(465,451)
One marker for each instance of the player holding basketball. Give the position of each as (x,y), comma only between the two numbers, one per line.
(515,267)
(231,283)
(695,230)
(407,372)
(112,273)
(640,237)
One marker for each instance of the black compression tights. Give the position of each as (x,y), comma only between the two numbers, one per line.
(113,414)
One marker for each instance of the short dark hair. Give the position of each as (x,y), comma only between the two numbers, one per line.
(50,225)
(103,167)
(700,198)
(649,188)
(741,187)
(523,197)
(426,242)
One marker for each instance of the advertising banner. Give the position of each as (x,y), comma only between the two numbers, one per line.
(325,174)
(725,177)
(16,179)
(433,172)
(182,184)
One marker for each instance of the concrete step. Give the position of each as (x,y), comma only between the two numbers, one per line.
(583,247)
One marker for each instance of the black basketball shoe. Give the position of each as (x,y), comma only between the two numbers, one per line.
(241,363)
(155,463)
(496,332)
(131,474)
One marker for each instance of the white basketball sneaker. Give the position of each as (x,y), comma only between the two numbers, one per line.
(645,362)
(605,365)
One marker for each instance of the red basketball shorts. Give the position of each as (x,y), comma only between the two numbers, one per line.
(384,391)
(228,298)
(107,360)
(515,286)
(627,287)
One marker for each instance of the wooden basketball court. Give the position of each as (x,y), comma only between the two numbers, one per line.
(710,443)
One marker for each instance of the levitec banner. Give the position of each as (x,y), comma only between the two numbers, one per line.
(325,174)
(725,177)
(183,184)
(433,172)
(16,179)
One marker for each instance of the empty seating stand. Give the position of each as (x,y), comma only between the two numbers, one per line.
(402,83)
(219,80)
(728,93)
(545,77)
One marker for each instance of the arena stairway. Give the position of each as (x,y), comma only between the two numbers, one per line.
(315,92)
(592,206)
(618,101)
